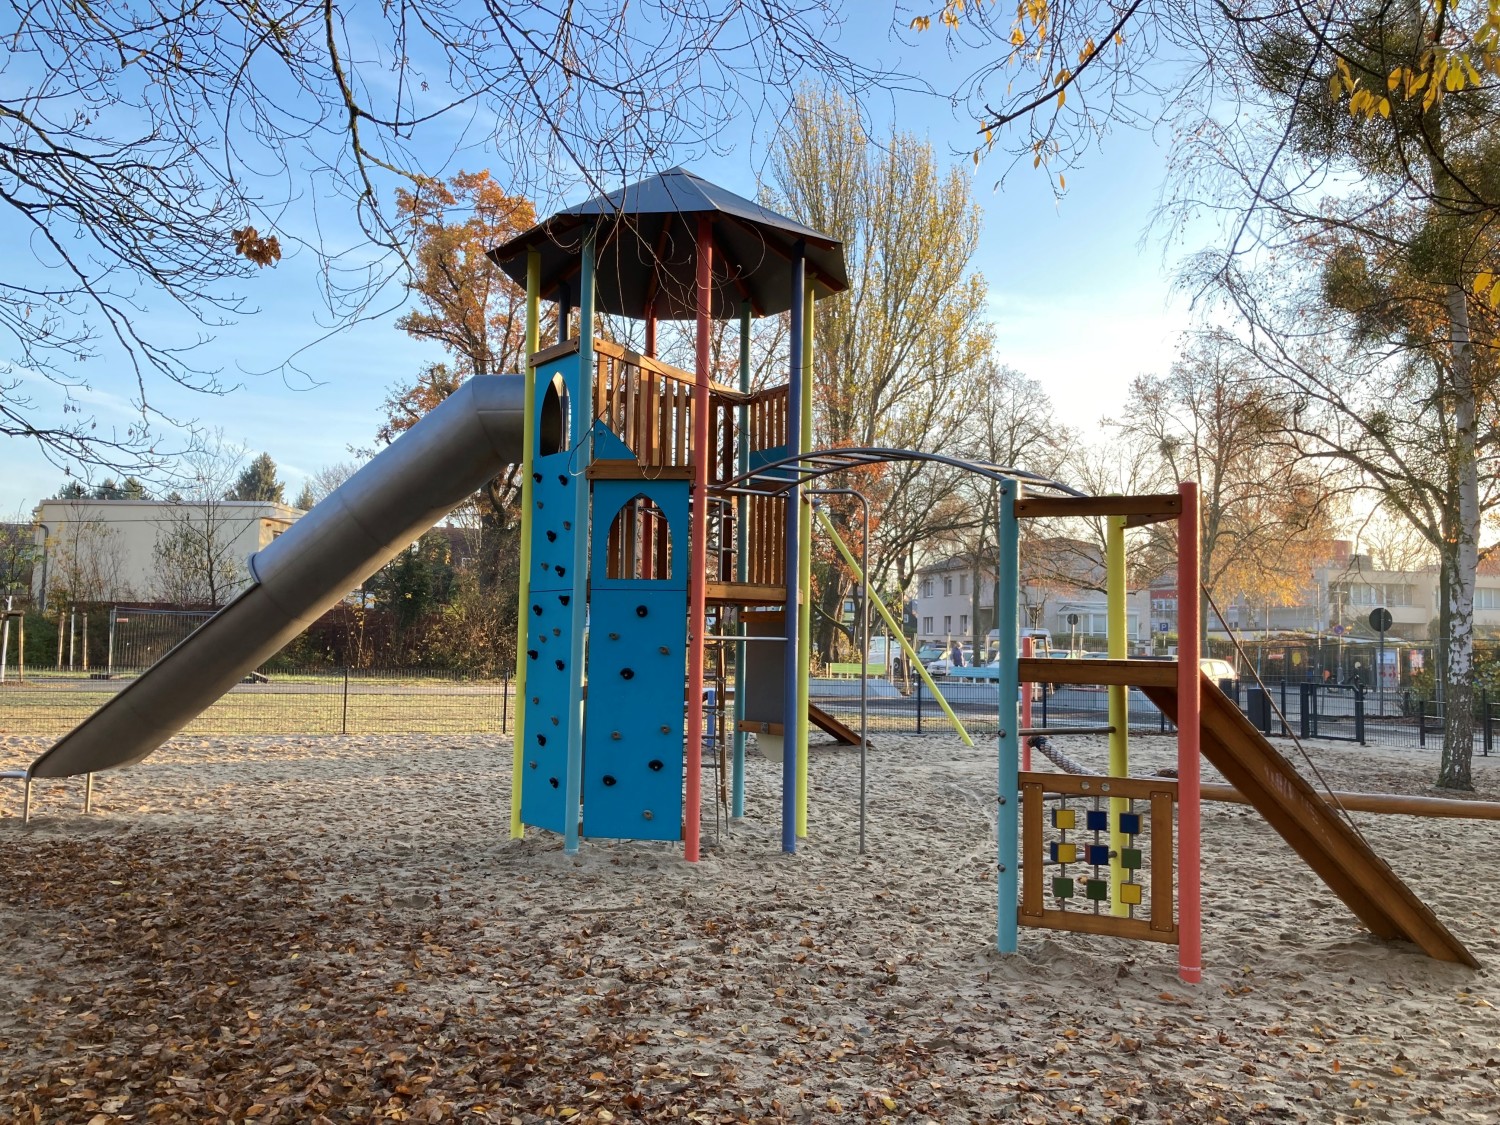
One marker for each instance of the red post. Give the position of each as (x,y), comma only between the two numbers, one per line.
(698,534)
(1189,703)
(1027,648)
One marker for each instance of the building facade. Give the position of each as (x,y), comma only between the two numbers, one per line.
(150,550)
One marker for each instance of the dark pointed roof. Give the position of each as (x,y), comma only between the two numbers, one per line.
(647,248)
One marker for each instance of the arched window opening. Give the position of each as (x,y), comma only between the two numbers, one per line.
(640,542)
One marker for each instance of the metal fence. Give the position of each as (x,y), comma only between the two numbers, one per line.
(1314,711)
(305,701)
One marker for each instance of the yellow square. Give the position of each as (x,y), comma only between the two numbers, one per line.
(1130,894)
(1067,853)
(1064,818)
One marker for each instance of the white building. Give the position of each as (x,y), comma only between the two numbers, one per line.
(112,550)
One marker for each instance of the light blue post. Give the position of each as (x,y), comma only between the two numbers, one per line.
(1007,591)
(741,566)
(791,721)
(583,453)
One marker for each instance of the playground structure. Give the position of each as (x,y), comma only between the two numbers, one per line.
(664,522)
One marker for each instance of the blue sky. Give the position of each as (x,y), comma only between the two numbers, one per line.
(1079,301)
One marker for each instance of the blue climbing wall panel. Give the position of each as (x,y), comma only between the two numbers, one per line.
(550,620)
(633,733)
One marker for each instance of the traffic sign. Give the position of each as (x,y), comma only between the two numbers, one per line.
(1380,619)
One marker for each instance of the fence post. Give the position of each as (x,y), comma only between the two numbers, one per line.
(1359,715)
(1488,723)
(1286,731)
(344,723)
(504,704)
(1304,711)
(1422,722)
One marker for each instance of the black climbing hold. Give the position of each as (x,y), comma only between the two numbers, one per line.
(551,537)
(560,570)
(537,477)
(641,611)
(541,740)
(536,609)
(531,652)
(564,598)
(608,780)
(560,665)
(533,765)
(553,781)
(539,504)
(627,673)
(655,765)
(557,632)
(562,480)
(536,699)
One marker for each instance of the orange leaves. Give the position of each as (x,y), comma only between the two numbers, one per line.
(263,251)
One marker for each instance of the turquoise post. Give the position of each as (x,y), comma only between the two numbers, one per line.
(583,453)
(1007,590)
(741,566)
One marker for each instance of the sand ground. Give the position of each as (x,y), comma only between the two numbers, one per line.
(283,929)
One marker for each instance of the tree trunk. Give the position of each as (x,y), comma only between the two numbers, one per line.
(1461,559)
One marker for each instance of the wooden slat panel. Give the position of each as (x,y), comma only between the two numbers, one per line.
(611,469)
(1137,673)
(1031,849)
(1163,864)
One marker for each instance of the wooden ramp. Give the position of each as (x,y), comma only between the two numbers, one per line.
(829,725)
(1312,826)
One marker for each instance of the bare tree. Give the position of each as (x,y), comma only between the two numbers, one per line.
(250,120)
(85,559)
(195,558)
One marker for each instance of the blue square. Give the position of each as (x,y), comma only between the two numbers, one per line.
(1098,820)
(1130,823)
(1097,854)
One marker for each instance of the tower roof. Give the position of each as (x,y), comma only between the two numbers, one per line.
(646,236)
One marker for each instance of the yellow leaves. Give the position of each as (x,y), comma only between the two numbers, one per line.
(1487,288)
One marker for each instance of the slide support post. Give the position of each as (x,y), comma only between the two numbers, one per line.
(741,566)
(804,565)
(792,719)
(698,572)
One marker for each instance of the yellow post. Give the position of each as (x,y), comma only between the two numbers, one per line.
(523,583)
(804,572)
(894,627)
(1119,715)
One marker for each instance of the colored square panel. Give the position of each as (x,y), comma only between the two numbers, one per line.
(1062,888)
(1097,854)
(1130,894)
(1098,820)
(1096,890)
(1130,823)
(1064,853)
(1130,859)
(1064,819)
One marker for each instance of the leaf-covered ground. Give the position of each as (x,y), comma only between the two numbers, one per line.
(339,930)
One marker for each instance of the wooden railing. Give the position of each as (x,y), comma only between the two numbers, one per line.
(649,405)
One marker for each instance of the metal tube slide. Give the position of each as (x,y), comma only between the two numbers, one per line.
(351,534)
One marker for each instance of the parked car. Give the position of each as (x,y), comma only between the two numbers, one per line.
(942,665)
(1218,670)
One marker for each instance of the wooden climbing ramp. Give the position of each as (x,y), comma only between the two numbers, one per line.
(1312,826)
(832,726)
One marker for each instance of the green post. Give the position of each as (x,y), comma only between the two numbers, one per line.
(583,448)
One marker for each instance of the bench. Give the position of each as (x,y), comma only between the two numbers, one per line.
(851,671)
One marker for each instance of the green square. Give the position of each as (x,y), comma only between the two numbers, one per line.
(1062,888)
(1130,859)
(1096,890)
